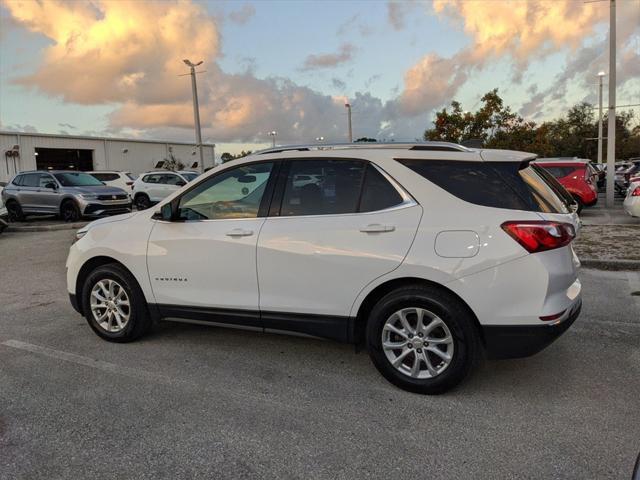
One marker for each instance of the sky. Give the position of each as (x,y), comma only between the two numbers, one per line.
(114,67)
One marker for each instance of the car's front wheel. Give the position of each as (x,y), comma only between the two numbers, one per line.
(422,339)
(70,212)
(114,304)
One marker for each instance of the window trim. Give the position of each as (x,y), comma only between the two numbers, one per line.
(276,206)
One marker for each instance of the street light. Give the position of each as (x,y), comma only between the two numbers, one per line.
(348,107)
(319,139)
(611,127)
(600,77)
(196,109)
(273,134)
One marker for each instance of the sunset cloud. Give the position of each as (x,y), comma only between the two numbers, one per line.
(329,60)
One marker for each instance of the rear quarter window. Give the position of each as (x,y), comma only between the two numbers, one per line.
(490,184)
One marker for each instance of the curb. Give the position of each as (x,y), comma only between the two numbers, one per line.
(611,265)
(12,228)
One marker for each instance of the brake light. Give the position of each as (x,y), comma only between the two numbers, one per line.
(129,183)
(636,192)
(539,236)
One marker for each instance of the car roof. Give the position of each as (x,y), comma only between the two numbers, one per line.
(563,161)
(417,150)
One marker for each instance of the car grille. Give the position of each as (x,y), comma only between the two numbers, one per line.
(117,196)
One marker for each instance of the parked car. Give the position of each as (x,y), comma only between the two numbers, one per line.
(152,187)
(115,178)
(601,171)
(426,261)
(70,194)
(4,215)
(625,172)
(631,202)
(576,176)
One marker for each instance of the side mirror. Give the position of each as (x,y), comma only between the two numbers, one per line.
(181,183)
(247,179)
(51,185)
(166,213)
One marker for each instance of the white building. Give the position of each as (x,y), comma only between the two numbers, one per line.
(39,151)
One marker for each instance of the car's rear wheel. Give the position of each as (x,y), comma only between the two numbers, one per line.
(114,304)
(422,339)
(142,201)
(69,211)
(15,211)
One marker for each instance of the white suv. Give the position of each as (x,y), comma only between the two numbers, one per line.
(428,254)
(152,187)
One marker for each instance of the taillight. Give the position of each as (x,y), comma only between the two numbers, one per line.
(129,183)
(636,192)
(538,236)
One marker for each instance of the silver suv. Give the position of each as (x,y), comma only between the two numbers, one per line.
(69,194)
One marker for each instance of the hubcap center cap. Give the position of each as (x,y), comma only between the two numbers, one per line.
(417,342)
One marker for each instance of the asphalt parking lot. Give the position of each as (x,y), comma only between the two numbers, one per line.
(204,402)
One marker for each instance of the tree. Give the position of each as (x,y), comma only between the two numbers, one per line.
(172,163)
(226,156)
(494,125)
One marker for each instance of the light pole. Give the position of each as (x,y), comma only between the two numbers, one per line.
(348,106)
(273,134)
(600,76)
(196,108)
(611,130)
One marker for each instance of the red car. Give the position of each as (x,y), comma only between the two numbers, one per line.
(576,176)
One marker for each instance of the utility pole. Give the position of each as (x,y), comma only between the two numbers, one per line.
(600,76)
(611,130)
(196,109)
(348,106)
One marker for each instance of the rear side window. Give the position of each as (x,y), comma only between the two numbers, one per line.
(31,180)
(559,172)
(322,187)
(490,184)
(377,192)
(18,180)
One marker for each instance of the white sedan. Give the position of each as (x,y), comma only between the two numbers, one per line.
(632,201)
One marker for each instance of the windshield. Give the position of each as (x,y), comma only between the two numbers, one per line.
(77,179)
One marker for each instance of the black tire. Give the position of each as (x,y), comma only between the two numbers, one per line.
(15,211)
(142,201)
(139,321)
(69,211)
(467,347)
(579,203)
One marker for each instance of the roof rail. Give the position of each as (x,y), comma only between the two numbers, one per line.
(426,146)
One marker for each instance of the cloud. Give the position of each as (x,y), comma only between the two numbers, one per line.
(19,128)
(67,125)
(397,11)
(243,15)
(113,51)
(329,60)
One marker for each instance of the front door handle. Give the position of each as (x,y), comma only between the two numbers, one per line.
(240,232)
(377,228)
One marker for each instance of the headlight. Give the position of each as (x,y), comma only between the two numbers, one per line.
(89,196)
(80,233)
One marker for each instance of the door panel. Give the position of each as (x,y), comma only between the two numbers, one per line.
(319,264)
(49,198)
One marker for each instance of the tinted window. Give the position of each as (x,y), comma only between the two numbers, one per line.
(105,177)
(18,180)
(559,172)
(31,180)
(44,180)
(491,184)
(322,187)
(171,179)
(377,192)
(235,193)
(190,176)
(73,179)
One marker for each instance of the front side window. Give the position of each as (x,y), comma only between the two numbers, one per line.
(170,179)
(234,193)
(46,180)
(322,187)
(77,179)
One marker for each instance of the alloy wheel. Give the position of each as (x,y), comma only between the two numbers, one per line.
(110,305)
(417,343)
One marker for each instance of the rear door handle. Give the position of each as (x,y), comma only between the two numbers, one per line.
(240,232)
(377,228)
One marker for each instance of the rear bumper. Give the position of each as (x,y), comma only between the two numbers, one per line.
(510,341)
